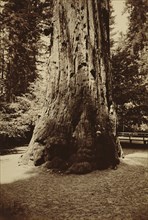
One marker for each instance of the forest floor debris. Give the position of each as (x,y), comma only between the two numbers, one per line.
(31,193)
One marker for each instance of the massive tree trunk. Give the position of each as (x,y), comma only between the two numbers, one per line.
(79,91)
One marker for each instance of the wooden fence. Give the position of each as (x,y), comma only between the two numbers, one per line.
(133,137)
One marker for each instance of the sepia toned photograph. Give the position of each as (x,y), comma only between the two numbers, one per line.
(73,110)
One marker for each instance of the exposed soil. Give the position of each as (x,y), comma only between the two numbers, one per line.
(32,193)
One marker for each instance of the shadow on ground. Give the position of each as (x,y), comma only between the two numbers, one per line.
(13,150)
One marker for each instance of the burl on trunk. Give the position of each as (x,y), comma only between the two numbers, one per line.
(74,131)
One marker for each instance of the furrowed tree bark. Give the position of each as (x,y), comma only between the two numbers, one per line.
(78,92)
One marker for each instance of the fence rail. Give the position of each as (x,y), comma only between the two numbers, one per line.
(133,137)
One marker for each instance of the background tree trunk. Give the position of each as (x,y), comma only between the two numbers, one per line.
(78,92)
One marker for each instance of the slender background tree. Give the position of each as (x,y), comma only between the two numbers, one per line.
(19,38)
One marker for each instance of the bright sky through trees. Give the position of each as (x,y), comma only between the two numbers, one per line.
(121,20)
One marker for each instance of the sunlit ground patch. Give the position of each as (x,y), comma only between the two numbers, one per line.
(11,171)
(137,158)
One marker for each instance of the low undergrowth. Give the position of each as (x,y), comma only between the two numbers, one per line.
(17,119)
(16,122)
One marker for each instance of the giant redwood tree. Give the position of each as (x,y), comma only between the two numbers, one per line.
(78,95)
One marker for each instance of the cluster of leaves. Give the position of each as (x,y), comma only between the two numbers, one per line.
(15,122)
(18,118)
(129,70)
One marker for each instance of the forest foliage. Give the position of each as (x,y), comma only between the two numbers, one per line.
(129,67)
(22,66)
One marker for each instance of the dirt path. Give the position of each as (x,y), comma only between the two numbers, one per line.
(34,193)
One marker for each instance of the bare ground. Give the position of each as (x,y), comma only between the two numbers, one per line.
(38,194)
